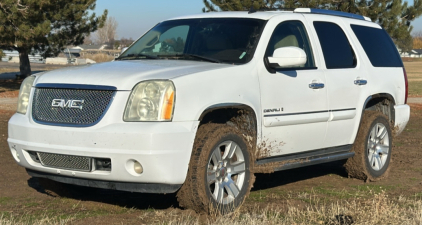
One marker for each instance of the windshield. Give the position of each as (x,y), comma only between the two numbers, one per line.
(227,40)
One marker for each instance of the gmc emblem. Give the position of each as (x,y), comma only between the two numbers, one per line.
(73,104)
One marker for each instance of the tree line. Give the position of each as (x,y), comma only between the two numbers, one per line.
(48,26)
(395,16)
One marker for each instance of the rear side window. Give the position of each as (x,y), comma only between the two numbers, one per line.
(335,46)
(378,46)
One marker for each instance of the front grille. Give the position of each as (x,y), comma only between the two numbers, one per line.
(95,103)
(70,162)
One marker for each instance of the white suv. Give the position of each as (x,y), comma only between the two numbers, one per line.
(200,103)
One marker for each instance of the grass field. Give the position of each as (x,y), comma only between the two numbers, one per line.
(376,208)
(414,75)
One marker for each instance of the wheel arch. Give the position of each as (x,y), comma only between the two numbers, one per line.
(223,113)
(383,102)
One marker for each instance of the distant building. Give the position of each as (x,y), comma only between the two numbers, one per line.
(90,47)
(72,52)
(13,56)
(414,53)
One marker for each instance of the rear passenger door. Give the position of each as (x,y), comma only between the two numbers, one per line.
(345,75)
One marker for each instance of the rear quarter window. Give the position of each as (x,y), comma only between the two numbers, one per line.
(378,46)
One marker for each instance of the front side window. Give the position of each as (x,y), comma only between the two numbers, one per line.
(338,52)
(291,34)
(226,40)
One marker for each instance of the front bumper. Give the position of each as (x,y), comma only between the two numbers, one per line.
(121,186)
(162,148)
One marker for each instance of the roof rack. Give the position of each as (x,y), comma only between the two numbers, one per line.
(332,13)
(315,11)
(253,10)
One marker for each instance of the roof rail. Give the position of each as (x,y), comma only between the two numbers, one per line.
(331,12)
(253,10)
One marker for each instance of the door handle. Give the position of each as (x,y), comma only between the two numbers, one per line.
(361,82)
(316,85)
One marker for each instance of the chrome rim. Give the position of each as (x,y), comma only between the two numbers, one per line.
(378,146)
(226,172)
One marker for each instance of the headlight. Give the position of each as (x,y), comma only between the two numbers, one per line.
(24,93)
(150,101)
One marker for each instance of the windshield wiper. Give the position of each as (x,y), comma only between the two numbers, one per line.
(193,56)
(137,56)
(200,57)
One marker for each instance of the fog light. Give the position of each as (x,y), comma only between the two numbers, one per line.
(138,167)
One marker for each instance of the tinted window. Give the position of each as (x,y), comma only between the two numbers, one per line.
(336,48)
(227,40)
(291,33)
(378,46)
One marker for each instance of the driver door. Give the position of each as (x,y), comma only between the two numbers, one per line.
(293,100)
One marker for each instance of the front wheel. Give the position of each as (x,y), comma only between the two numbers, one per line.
(219,176)
(372,148)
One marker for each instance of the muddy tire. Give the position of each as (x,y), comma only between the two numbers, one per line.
(372,148)
(219,177)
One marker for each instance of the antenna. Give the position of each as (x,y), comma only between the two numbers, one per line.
(252,9)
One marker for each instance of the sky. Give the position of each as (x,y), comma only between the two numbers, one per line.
(135,17)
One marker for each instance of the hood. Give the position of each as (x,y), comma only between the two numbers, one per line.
(125,74)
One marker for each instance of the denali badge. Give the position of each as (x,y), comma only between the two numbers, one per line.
(73,104)
(273,110)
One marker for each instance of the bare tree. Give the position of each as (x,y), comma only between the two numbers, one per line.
(125,42)
(108,33)
(88,40)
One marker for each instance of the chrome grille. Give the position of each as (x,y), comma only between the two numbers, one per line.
(95,104)
(71,162)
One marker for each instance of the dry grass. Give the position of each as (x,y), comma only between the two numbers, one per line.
(414,70)
(100,57)
(29,220)
(411,59)
(15,69)
(9,70)
(414,75)
(415,88)
(377,209)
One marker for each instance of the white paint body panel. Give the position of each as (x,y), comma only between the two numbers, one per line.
(402,117)
(159,147)
(290,90)
(113,74)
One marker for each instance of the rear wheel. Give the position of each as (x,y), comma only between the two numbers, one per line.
(219,177)
(372,148)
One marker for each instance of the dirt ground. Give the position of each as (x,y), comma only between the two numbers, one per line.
(24,199)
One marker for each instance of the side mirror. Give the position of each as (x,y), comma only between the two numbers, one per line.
(287,57)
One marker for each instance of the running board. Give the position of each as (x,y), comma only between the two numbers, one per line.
(309,158)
